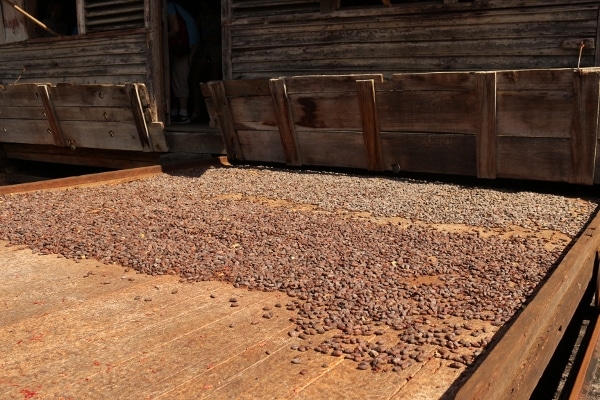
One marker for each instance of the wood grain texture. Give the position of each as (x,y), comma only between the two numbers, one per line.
(287,133)
(486,137)
(50,113)
(370,123)
(543,159)
(513,367)
(584,131)
(432,153)
(492,35)
(224,116)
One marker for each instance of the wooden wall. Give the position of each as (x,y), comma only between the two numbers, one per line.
(276,38)
(526,124)
(98,59)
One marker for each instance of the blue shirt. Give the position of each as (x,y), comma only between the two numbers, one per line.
(190,23)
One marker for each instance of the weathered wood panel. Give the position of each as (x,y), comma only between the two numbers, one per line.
(419,37)
(100,59)
(449,123)
(322,148)
(535,103)
(22,116)
(542,159)
(89,116)
(444,154)
(427,103)
(552,104)
(262,146)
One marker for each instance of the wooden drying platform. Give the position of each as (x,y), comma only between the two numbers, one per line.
(81,329)
(75,329)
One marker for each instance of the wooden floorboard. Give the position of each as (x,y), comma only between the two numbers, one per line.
(81,329)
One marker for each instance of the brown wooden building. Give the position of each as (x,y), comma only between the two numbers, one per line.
(497,88)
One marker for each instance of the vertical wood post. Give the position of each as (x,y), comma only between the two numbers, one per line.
(285,122)
(225,118)
(138,115)
(50,112)
(370,123)
(226,35)
(584,127)
(486,137)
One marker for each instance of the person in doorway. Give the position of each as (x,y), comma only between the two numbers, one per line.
(180,64)
(207,64)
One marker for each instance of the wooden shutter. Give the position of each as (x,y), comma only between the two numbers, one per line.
(105,15)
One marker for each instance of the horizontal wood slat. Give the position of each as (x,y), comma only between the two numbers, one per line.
(492,35)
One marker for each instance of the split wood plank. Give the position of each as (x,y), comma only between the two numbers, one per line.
(133,92)
(115,159)
(513,367)
(370,120)
(224,116)
(285,122)
(486,137)
(50,112)
(584,130)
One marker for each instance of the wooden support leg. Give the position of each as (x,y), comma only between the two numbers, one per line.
(370,122)
(56,131)
(138,116)
(285,122)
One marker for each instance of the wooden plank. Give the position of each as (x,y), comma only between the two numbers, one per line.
(224,116)
(262,146)
(115,159)
(285,123)
(432,111)
(247,87)
(74,95)
(543,159)
(597,53)
(226,33)
(534,114)
(97,114)
(20,95)
(548,92)
(50,112)
(370,122)
(327,83)
(431,153)
(513,367)
(326,111)
(329,5)
(101,135)
(138,116)
(22,112)
(25,131)
(253,112)
(442,81)
(332,149)
(584,131)
(486,137)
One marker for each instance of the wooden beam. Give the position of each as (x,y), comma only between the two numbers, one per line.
(512,369)
(285,122)
(226,51)
(329,5)
(50,113)
(486,137)
(138,115)
(584,127)
(225,118)
(370,122)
